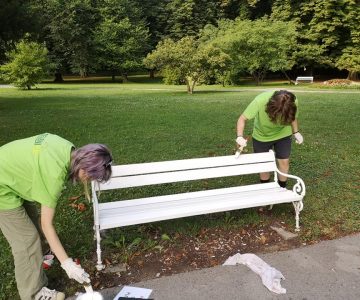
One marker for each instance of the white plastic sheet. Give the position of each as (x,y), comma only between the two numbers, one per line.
(270,276)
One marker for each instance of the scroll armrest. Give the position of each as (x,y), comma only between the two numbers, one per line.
(299,186)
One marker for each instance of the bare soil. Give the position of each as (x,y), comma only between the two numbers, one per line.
(211,247)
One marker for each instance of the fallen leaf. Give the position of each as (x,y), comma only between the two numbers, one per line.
(74,198)
(263,239)
(81,207)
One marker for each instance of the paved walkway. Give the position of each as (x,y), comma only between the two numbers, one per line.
(329,270)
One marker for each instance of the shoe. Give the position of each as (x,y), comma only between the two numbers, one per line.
(47,294)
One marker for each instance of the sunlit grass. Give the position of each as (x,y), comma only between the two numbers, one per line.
(143,121)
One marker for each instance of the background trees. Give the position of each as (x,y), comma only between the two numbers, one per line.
(256,47)
(112,36)
(122,38)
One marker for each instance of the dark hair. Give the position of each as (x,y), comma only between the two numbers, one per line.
(281,107)
(94,159)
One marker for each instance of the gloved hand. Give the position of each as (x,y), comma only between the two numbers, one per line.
(241,142)
(298,138)
(75,271)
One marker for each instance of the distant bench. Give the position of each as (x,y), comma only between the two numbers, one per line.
(111,214)
(304,79)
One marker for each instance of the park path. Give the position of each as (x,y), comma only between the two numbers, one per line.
(328,270)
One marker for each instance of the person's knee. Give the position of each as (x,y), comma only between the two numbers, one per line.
(283,164)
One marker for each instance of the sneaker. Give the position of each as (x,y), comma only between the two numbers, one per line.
(47,294)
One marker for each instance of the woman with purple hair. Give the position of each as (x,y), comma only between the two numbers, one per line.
(34,170)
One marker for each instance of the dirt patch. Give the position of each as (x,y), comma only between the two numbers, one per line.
(211,247)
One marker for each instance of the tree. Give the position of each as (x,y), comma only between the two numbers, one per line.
(17,17)
(257,47)
(28,65)
(187,60)
(70,36)
(321,32)
(122,37)
(188,17)
(350,56)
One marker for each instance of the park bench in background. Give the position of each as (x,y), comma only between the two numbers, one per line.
(112,214)
(304,79)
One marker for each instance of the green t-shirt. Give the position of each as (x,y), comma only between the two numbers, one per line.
(34,169)
(265,130)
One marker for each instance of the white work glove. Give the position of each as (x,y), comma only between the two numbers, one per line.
(241,142)
(75,271)
(298,138)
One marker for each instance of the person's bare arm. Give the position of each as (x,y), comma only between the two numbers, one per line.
(299,139)
(295,126)
(47,217)
(241,125)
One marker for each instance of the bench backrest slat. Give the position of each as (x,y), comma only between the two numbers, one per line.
(304,78)
(133,175)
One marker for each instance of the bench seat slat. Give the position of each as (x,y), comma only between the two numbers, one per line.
(188,205)
(197,194)
(168,202)
(186,175)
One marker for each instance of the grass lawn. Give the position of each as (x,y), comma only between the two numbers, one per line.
(143,122)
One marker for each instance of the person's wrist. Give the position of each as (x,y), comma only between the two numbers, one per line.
(295,132)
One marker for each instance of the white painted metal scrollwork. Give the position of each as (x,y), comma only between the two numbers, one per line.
(298,205)
(95,201)
(298,188)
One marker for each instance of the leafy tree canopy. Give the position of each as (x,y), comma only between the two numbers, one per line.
(27,65)
(256,47)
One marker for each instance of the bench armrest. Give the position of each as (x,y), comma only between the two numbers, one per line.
(299,186)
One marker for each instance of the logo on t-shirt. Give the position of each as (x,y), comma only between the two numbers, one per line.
(40,138)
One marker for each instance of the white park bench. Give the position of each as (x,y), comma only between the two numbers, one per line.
(304,79)
(112,214)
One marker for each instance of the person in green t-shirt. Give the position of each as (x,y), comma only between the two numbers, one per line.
(275,122)
(34,170)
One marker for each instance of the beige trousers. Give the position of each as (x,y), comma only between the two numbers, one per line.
(20,227)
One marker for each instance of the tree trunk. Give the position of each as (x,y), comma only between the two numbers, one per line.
(152,74)
(352,75)
(28,87)
(288,78)
(125,77)
(58,77)
(113,76)
(256,78)
(188,88)
(190,84)
(193,86)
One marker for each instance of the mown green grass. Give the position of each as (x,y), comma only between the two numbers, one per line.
(144,121)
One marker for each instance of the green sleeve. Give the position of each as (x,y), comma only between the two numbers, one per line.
(252,110)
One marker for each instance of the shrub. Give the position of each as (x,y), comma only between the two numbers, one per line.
(27,65)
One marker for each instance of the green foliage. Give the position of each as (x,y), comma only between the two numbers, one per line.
(350,55)
(188,61)
(188,17)
(17,18)
(27,65)
(257,47)
(122,37)
(322,31)
(70,26)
